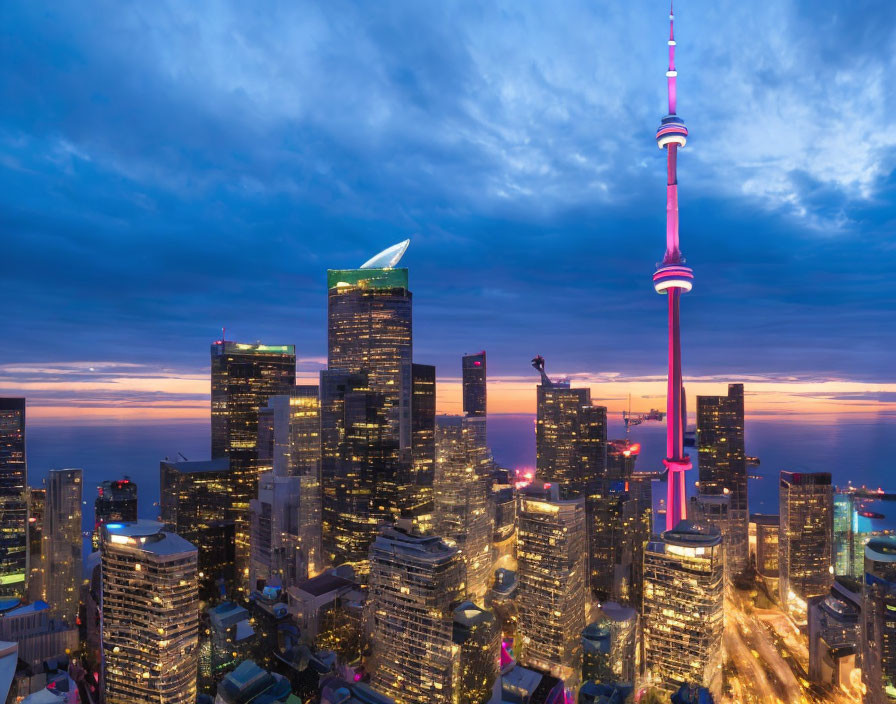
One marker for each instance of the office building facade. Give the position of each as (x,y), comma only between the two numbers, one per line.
(13,499)
(243,378)
(570,438)
(62,542)
(805,539)
(36,583)
(463,512)
(722,461)
(195,504)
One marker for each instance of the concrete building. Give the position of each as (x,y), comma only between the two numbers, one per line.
(39,635)
(551,595)
(150,614)
(250,683)
(683,607)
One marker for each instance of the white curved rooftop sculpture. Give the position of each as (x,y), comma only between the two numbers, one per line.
(388,258)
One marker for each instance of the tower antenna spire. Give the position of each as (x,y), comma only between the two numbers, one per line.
(673,278)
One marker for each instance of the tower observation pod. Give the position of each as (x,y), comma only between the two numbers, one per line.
(673,278)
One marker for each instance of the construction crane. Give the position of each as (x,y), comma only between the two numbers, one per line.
(630,419)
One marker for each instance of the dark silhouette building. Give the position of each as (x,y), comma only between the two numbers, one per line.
(723,467)
(244,377)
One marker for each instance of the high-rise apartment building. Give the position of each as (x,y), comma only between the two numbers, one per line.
(13,499)
(195,504)
(551,573)
(150,615)
(683,615)
(878,632)
(62,542)
(36,583)
(570,437)
(415,583)
(116,501)
(805,540)
(244,377)
(478,639)
(723,467)
(463,512)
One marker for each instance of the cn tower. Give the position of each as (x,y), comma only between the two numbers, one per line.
(672,278)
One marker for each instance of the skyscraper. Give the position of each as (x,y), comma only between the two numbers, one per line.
(195,504)
(417,502)
(474,385)
(878,631)
(289,442)
(36,586)
(805,541)
(415,583)
(463,512)
(551,598)
(115,501)
(376,409)
(570,436)
(369,324)
(244,377)
(672,278)
(723,467)
(62,540)
(150,615)
(13,499)
(360,467)
(683,607)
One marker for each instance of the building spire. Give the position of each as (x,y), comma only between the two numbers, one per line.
(671,74)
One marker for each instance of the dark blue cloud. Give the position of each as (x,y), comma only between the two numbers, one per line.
(168,169)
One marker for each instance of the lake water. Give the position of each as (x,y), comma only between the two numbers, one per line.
(852,448)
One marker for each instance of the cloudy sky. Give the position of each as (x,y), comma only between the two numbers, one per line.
(170,168)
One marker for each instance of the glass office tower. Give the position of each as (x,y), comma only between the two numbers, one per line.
(805,539)
(62,534)
(13,499)
(723,467)
(244,377)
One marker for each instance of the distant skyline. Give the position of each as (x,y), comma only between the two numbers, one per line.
(169,170)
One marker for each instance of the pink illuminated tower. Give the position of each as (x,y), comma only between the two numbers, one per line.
(673,278)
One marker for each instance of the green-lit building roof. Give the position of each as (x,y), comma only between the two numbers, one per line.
(367,278)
